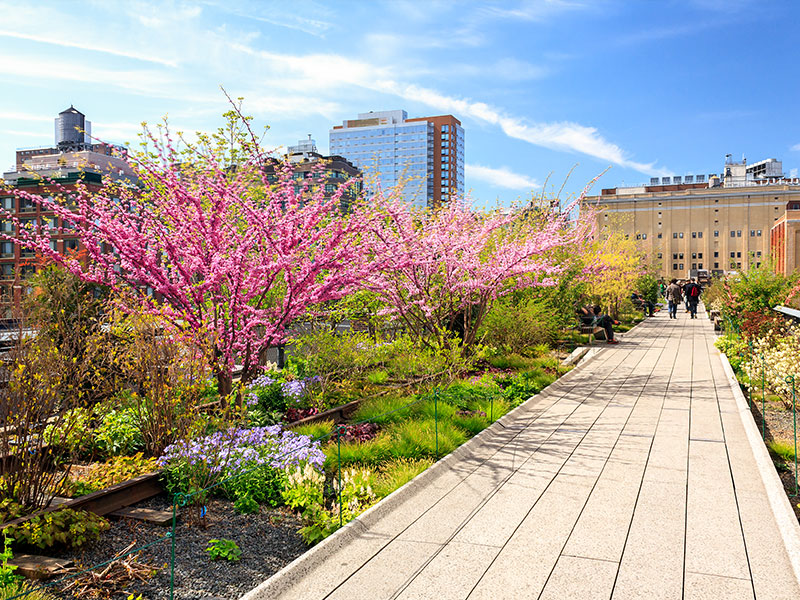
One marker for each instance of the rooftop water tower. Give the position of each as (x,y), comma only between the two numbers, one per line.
(72,128)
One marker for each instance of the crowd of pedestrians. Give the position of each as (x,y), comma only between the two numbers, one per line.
(687,292)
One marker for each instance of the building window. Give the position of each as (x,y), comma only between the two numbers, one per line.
(7,271)
(700,234)
(716,254)
(694,234)
(674,266)
(758,254)
(752,233)
(70,245)
(694,254)
(700,265)
(644,236)
(694,266)
(680,256)
(7,226)
(27,271)
(7,249)
(674,256)
(738,255)
(658,255)
(674,235)
(7,203)
(758,233)
(758,264)
(681,266)
(659,235)
(700,255)
(716,234)
(733,233)
(680,235)
(739,233)
(733,254)
(738,265)
(716,265)
(27,205)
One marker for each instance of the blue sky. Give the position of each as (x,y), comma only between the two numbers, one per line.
(646,87)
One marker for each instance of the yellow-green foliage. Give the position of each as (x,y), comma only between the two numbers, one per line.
(396,473)
(317,431)
(115,470)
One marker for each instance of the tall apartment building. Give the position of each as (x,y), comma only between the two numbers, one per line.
(721,223)
(46,171)
(425,155)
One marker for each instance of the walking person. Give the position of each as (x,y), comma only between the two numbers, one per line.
(693,291)
(673,295)
(685,289)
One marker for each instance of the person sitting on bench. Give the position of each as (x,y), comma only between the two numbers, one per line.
(592,316)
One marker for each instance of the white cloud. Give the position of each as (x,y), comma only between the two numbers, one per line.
(501,177)
(19,116)
(558,136)
(83,44)
(795,148)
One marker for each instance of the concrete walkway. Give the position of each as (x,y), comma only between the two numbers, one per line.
(634,476)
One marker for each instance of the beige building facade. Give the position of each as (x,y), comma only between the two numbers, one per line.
(720,225)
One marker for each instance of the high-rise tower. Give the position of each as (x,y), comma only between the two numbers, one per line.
(424,155)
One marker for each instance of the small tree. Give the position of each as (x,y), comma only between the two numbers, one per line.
(446,267)
(225,255)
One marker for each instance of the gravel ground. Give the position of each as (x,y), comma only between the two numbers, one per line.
(268,540)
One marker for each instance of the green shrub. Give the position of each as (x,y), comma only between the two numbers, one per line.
(119,432)
(524,385)
(396,473)
(65,527)
(224,549)
(73,433)
(517,325)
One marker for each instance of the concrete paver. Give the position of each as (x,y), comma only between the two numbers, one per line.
(632,477)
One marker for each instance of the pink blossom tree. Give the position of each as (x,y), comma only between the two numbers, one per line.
(446,267)
(227,255)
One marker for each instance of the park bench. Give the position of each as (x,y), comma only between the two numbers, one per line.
(585,327)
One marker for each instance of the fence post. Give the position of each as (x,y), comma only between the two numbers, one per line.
(763,394)
(750,376)
(436,418)
(790,379)
(179,500)
(339,461)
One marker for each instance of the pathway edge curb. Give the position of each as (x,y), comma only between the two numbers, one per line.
(301,565)
(778,500)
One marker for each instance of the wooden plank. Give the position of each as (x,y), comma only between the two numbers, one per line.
(107,500)
(33,566)
(162,518)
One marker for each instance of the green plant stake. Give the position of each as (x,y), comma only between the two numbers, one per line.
(790,379)
(436,418)
(339,460)
(763,394)
(179,498)
(750,376)
(491,409)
